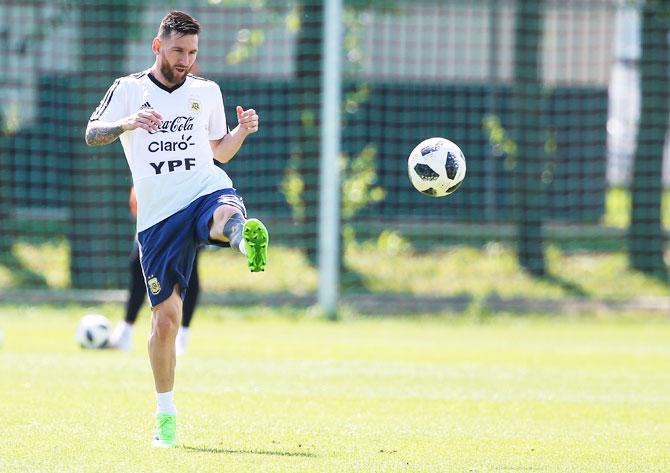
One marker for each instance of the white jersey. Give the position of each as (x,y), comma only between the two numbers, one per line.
(174,165)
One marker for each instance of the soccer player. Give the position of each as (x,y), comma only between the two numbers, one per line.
(171,124)
(122,337)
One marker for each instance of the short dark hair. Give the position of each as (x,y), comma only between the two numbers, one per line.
(179,22)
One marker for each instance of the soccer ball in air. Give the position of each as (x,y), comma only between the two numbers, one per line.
(93,331)
(436,167)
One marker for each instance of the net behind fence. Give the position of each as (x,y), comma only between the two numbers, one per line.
(561,109)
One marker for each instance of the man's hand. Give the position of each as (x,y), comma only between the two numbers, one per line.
(225,148)
(102,133)
(148,119)
(247,120)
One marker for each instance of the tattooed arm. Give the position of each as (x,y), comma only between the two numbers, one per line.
(102,133)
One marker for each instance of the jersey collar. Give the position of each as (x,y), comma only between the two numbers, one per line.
(160,85)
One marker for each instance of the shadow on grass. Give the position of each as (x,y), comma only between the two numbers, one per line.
(569,287)
(353,281)
(659,275)
(23,276)
(249,452)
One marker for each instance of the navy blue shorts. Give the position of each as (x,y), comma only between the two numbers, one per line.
(167,249)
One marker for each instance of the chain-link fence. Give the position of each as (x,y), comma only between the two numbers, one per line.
(561,108)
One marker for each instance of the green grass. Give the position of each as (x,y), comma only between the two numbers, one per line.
(586,261)
(274,390)
(494,269)
(474,271)
(618,204)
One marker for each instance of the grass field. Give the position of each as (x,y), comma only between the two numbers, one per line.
(277,391)
(586,264)
(492,269)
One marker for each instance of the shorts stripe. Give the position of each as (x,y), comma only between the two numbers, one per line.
(233,201)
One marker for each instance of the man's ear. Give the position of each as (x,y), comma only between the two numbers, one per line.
(156,46)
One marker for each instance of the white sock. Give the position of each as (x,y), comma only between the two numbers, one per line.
(243,249)
(126,328)
(182,340)
(122,336)
(183,332)
(165,403)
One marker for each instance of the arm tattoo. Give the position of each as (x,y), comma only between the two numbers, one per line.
(102,133)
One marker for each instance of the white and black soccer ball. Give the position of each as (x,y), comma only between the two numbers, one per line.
(436,167)
(93,331)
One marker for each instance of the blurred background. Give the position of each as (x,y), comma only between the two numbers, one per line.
(561,108)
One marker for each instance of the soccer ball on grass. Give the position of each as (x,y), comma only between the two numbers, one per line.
(93,331)
(436,167)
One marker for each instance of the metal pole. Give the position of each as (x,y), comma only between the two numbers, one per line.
(329,209)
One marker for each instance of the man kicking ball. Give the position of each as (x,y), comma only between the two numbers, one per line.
(171,124)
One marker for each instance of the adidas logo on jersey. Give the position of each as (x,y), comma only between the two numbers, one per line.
(145,105)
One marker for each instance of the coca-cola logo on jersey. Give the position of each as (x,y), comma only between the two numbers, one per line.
(175,125)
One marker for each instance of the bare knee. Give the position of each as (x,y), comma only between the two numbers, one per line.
(166,317)
(165,327)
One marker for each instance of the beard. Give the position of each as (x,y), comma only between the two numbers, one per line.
(172,74)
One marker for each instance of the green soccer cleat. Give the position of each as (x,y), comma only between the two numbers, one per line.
(165,435)
(256,244)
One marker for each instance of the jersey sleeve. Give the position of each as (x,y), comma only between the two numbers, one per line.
(217,118)
(113,104)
